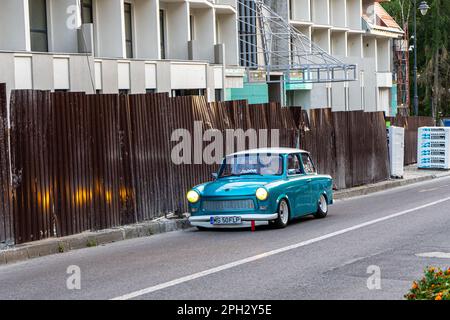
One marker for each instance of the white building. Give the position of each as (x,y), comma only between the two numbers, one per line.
(357,32)
(181,47)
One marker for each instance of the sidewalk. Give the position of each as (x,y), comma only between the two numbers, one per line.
(91,239)
(412,175)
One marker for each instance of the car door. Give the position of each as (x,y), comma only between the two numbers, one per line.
(309,170)
(297,186)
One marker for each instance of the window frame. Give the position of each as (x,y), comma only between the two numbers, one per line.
(299,162)
(90,7)
(129,41)
(312,162)
(192,26)
(40,31)
(162,33)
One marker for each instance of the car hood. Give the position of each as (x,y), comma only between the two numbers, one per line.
(233,187)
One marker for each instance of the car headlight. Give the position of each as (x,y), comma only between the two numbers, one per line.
(193,196)
(262,194)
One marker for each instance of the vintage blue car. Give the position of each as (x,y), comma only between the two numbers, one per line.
(260,187)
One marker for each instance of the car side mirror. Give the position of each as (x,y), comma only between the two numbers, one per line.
(215,175)
(292,172)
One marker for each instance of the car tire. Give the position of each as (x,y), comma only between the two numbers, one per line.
(322,207)
(283,215)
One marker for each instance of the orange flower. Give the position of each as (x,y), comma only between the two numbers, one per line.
(438,298)
(415,285)
(431,269)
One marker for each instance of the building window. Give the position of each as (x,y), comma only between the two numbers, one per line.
(87,13)
(128,30)
(218,95)
(150,91)
(188,92)
(162,30)
(192,27)
(38,25)
(291,10)
(248,46)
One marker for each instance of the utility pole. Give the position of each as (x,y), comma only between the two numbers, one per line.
(423,10)
(416,90)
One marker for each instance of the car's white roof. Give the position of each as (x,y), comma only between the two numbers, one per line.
(269,151)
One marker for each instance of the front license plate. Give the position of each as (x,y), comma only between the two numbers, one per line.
(226,220)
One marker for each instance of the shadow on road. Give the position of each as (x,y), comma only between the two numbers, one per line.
(293,222)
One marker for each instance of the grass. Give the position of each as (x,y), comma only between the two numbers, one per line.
(91,243)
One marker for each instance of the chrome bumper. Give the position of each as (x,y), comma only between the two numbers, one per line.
(260,219)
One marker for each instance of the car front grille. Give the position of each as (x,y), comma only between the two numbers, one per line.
(227,205)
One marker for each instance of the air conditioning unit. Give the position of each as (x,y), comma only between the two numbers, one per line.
(433,150)
(397,151)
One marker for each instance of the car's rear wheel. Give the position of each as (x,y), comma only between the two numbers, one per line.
(322,207)
(283,215)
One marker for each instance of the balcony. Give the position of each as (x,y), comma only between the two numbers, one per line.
(232,3)
(384,79)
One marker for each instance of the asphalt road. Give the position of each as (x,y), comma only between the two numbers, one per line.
(311,259)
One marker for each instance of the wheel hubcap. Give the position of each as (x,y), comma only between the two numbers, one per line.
(323,204)
(284,212)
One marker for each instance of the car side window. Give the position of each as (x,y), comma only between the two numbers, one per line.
(308,165)
(294,166)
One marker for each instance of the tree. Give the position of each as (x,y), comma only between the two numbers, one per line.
(433,38)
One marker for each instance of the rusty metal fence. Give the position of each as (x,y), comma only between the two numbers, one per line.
(6,218)
(88,162)
(350,146)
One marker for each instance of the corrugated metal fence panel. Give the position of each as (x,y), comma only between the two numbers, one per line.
(239,114)
(411,125)
(72,172)
(194,115)
(318,138)
(369,154)
(349,146)
(6,218)
(31,115)
(380,153)
(105,160)
(149,139)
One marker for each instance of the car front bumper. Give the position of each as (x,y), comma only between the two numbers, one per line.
(259,219)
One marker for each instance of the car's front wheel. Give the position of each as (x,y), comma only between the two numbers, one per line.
(322,207)
(283,215)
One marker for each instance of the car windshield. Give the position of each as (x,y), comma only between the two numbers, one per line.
(254,164)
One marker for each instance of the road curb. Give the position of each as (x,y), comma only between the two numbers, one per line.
(391,184)
(51,246)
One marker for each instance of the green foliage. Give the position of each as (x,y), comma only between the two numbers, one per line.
(91,243)
(433,45)
(435,285)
